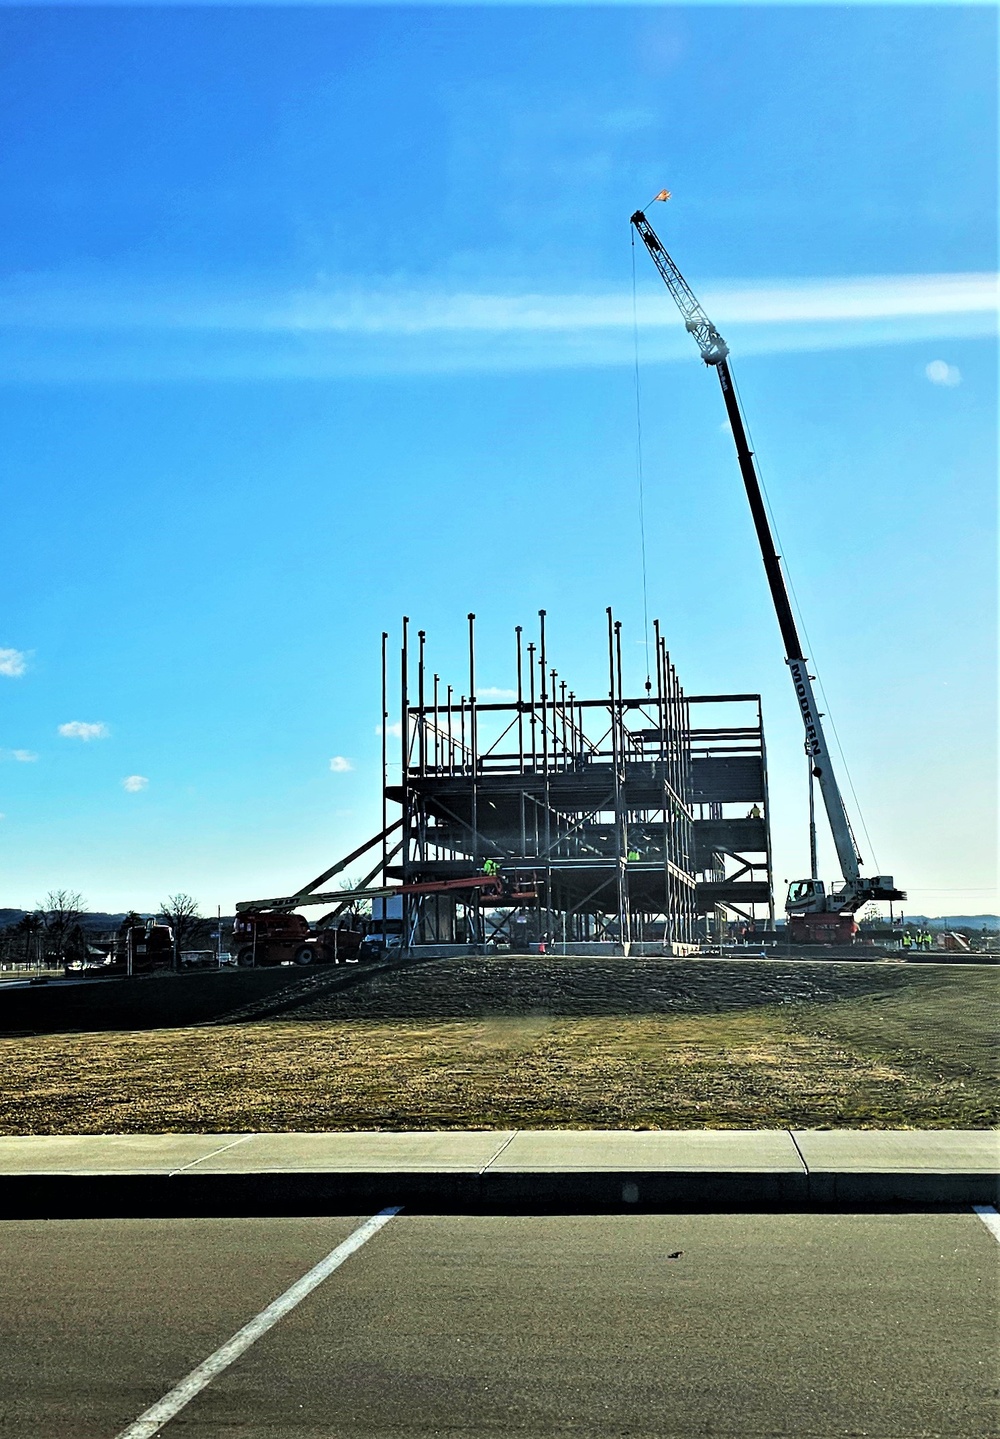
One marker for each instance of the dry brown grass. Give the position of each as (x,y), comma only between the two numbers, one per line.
(914,1055)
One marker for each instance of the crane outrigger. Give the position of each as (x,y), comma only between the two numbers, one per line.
(809,905)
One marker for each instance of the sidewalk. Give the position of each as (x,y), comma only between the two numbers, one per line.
(173,1174)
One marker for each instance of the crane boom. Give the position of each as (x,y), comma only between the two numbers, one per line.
(715,352)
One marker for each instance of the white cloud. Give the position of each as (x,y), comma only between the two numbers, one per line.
(47,303)
(331,329)
(133,783)
(939,372)
(490,692)
(395,729)
(24,756)
(12,663)
(340,765)
(82,729)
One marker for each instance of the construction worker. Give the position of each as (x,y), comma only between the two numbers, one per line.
(633,854)
(754,813)
(907,940)
(491,867)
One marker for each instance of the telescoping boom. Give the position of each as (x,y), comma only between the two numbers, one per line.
(804,896)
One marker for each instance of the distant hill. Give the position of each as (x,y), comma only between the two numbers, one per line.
(95,920)
(965,921)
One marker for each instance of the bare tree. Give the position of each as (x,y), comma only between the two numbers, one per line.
(180,911)
(28,927)
(358,908)
(60,911)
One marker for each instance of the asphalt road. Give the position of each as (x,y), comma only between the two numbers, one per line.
(798,1325)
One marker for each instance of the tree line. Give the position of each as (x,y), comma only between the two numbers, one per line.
(55,933)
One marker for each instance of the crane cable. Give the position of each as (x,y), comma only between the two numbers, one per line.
(805,631)
(638,466)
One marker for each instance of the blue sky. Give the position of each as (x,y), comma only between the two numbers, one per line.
(313,317)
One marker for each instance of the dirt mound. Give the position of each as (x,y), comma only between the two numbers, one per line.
(474,987)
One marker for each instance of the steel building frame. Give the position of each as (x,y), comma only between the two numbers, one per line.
(604,820)
(582,803)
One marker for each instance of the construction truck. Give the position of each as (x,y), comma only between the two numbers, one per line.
(142,946)
(272,928)
(263,937)
(815,915)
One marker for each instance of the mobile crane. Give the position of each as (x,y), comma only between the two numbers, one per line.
(813,913)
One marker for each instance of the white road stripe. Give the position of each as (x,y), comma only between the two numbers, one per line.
(153,1420)
(990,1218)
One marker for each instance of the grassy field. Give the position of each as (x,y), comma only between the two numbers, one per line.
(855,1046)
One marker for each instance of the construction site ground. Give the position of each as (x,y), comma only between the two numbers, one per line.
(540,1042)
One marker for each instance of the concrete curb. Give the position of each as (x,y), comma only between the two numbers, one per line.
(153,1196)
(528,1171)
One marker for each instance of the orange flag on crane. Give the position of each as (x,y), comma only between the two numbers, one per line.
(663,195)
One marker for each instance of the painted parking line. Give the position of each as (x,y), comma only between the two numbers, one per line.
(154,1418)
(990,1218)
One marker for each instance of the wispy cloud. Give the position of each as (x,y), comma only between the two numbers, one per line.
(41,302)
(55,328)
(395,729)
(24,756)
(13,663)
(490,692)
(85,730)
(134,783)
(340,765)
(939,372)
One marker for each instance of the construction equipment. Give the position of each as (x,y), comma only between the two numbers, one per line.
(269,937)
(814,914)
(267,931)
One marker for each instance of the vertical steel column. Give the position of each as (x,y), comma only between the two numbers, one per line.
(544,695)
(659,682)
(421,764)
(451,737)
(384,727)
(562,716)
(619,858)
(534,747)
(555,757)
(520,733)
(422,720)
(675,928)
(545,770)
(534,720)
(404,776)
(627,906)
(767,814)
(474,740)
(520,703)
(661,712)
(437,729)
